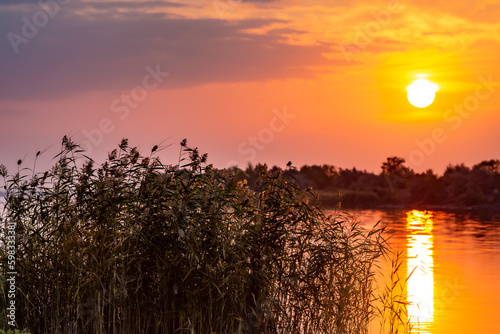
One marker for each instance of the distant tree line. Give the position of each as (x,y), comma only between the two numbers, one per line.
(396,184)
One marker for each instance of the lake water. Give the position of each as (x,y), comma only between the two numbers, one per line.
(454,262)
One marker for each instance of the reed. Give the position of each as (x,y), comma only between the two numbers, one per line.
(393,300)
(137,246)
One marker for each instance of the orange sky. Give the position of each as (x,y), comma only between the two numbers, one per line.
(253,81)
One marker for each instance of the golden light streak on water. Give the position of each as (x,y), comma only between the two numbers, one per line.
(420,266)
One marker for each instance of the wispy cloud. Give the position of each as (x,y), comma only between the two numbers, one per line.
(102,4)
(75,54)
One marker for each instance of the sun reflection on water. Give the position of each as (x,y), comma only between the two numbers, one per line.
(420,269)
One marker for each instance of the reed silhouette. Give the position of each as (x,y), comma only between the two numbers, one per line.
(136,246)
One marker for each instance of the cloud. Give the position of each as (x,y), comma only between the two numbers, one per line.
(98,5)
(74,54)
(18,2)
(128,5)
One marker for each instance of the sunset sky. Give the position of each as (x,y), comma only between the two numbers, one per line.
(306,81)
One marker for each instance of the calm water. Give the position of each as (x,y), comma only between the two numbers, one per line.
(454,261)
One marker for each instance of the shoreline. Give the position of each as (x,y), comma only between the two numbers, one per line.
(480,208)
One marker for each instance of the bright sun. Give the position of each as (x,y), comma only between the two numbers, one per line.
(421,93)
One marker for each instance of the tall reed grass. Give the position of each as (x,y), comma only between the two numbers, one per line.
(392,302)
(137,246)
